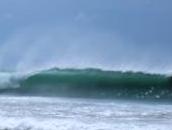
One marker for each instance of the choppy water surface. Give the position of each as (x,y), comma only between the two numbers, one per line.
(41,113)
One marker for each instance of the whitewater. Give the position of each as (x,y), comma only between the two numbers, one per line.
(44,113)
(85,99)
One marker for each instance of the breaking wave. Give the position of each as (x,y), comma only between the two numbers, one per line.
(88,83)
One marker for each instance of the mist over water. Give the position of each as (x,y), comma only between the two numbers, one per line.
(107,34)
(69,47)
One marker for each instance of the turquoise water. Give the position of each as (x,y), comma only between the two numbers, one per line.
(88,83)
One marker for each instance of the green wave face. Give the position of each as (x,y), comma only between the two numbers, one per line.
(95,83)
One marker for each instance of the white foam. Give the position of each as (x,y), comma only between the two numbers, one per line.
(10,80)
(72,124)
(40,113)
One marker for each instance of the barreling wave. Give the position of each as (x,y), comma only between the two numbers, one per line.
(90,83)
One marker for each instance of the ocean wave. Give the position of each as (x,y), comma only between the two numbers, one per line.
(89,83)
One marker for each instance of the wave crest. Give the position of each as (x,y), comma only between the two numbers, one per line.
(92,83)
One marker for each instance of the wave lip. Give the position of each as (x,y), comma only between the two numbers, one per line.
(93,83)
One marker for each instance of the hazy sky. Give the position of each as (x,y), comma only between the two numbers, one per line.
(110,34)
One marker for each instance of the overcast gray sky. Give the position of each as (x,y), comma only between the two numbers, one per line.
(109,34)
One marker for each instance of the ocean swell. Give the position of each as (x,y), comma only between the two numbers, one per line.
(91,83)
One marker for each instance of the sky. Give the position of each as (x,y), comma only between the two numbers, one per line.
(109,34)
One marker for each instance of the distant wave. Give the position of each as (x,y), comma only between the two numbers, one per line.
(89,83)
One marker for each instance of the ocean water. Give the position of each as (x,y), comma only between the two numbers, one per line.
(89,83)
(85,99)
(45,113)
